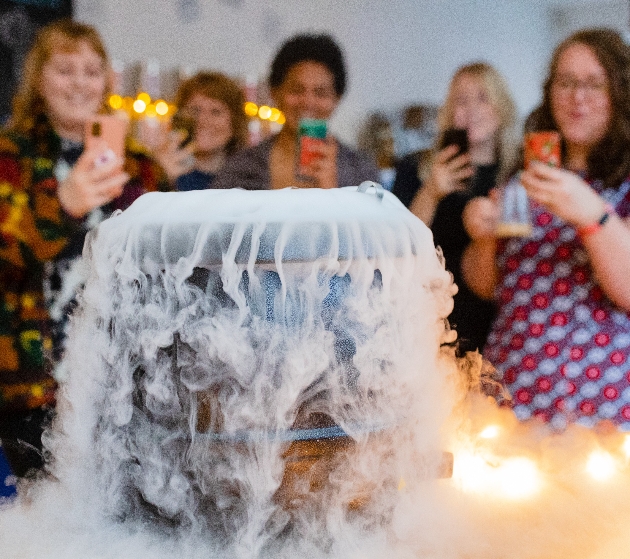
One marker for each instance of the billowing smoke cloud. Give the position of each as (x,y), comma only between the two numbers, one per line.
(262,374)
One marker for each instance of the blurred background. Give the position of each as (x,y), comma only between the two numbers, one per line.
(400,54)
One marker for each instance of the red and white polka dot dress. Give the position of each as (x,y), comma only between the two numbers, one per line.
(562,347)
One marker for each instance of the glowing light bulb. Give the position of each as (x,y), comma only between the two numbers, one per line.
(139,106)
(251,109)
(115,102)
(490,432)
(161,107)
(275,115)
(514,478)
(470,472)
(264,112)
(518,478)
(144,97)
(601,465)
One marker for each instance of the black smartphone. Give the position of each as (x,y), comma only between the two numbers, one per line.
(455,137)
(185,122)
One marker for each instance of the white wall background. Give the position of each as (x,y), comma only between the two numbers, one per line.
(398,51)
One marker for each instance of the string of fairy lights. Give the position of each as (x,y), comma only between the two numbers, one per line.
(143,106)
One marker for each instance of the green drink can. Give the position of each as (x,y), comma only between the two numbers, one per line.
(311,134)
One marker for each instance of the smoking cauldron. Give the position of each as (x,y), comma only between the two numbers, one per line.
(249,354)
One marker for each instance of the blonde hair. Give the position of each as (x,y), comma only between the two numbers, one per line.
(500,98)
(215,85)
(63,35)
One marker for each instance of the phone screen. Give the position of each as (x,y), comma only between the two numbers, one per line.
(311,133)
(543,147)
(186,123)
(455,137)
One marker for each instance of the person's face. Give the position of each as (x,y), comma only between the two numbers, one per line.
(580,100)
(473,110)
(72,86)
(308,91)
(213,129)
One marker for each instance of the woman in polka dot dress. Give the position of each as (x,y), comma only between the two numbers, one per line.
(562,335)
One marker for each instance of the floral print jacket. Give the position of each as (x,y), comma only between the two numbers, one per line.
(33,230)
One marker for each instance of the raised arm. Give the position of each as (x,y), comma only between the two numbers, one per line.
(478,263)
(446,175)
(569,197)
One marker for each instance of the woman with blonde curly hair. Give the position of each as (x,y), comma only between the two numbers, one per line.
(437,185)
(52,191)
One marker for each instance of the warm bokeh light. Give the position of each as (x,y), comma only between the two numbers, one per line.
(513,478)
(626,447)
(490,432)
(518,478)
(281,119)
(144,97)
(275,115)
(150,110)
(251,109)
(601,465)
(115,102)
(264,112)
(128,103)
(161,107)
(139,106)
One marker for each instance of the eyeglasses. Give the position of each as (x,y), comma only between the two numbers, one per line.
(593,88)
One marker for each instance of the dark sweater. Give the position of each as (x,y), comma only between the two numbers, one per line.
(472,317)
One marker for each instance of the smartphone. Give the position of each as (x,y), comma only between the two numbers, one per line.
(112,130)
(311,132)
(455,137)
(543,147)
(185,122)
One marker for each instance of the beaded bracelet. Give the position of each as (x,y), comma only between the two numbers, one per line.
(597,225)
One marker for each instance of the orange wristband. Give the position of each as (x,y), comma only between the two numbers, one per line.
(597,225)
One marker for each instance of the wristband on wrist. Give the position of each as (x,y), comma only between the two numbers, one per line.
(586,230)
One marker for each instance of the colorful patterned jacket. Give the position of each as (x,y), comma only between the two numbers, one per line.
(33,230)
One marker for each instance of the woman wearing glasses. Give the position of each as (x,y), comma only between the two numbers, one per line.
(562,335)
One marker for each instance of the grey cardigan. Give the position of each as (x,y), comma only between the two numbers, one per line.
(249,168)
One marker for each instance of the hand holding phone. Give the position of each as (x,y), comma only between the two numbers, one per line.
(176,152)
(451,168)
(543,147)
(90,185)
(184,124)
(455,137)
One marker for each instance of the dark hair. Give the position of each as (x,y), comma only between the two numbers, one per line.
(312,48)
(609,160)
(215,85)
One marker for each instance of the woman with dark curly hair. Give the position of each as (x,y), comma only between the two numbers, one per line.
(562,335)
(307,80)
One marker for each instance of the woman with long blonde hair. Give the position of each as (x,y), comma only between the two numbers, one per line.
(439,184)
